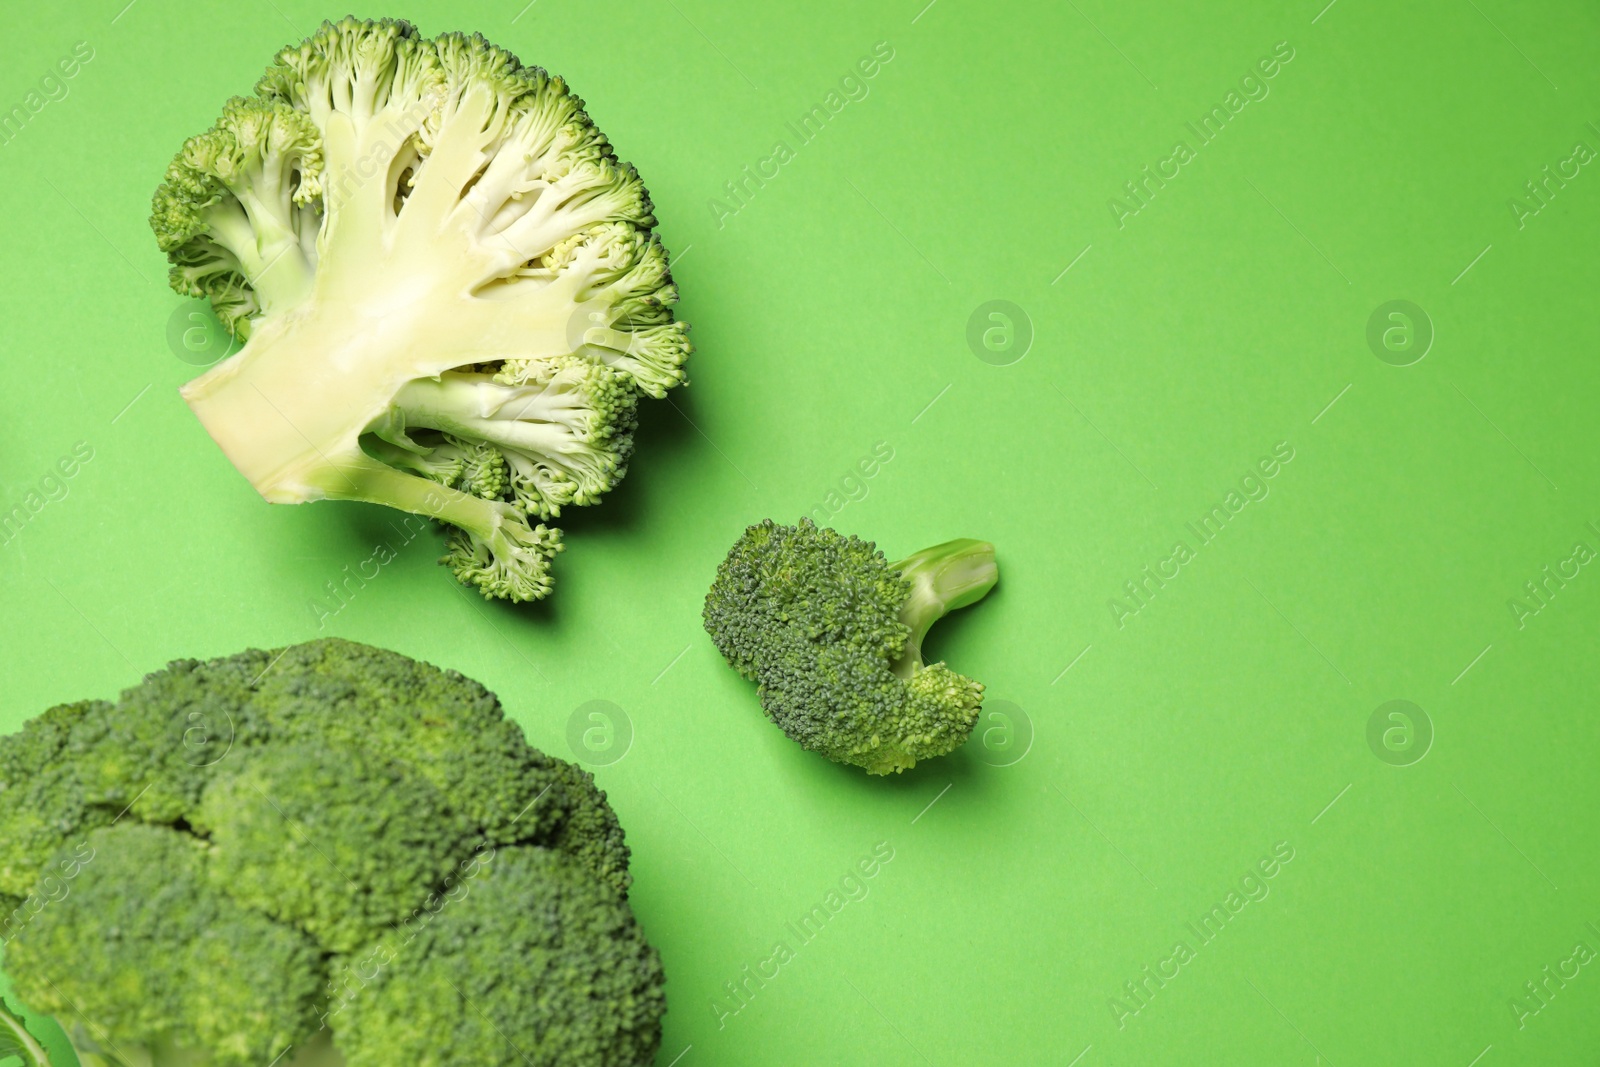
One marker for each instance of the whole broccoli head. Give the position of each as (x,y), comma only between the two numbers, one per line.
(325,855)
(833,634)
(447,285)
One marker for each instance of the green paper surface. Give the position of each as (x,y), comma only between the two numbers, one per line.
(932,307)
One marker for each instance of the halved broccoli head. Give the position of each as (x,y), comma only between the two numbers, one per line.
(448,287)
(832,632)
(297,854)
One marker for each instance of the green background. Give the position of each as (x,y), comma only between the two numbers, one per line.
(1227,716)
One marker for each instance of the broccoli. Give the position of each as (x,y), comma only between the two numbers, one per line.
(447,287)
(329,855)
(833,634)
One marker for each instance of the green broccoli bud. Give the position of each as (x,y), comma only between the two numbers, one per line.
(385,838)
(832,633)
(48,793)
(447,284)
(589,831)
(145,952)
(531,912)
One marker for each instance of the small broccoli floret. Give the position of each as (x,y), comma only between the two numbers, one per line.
(508,559)
(832,632)
(588,830)
(535,913)
(48,792)
(254,859)
(448,285)
(239,209)
(146,952)
(545,433)
(385,836)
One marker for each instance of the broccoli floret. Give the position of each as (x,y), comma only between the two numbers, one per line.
(386,836)
(272,857)
(587,828)
(448,287)
(146,950)
(47,785)
(536,913)
(832,632)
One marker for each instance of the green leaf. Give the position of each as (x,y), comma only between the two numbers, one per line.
(18,1047)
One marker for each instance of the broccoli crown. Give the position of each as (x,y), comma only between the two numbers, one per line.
(296,853)
(832,632)
(146,947)
(448,285)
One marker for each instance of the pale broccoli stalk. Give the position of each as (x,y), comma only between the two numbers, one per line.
(943,578)
(432,253)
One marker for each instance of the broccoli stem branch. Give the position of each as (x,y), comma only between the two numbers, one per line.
(370,480)
(269,254)
(943,578)
(512,419)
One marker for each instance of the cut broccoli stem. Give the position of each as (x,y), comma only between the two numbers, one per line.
(505,556)
(494,522)
(943,578)
(306,386)
(440,463)
(370,480)
(290,410)
(290,407)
